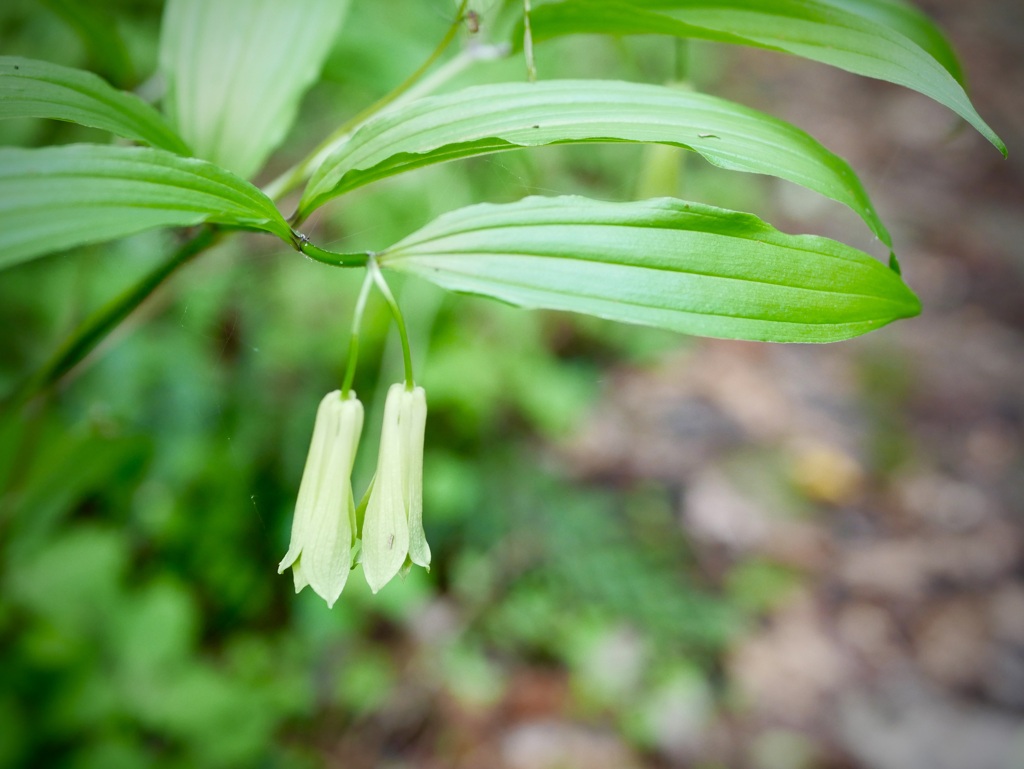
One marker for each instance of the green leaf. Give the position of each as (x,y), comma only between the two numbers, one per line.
(668,263)
(236,70)
(912,23)
(58,197)
(32,88)
(872,41)
(508,116)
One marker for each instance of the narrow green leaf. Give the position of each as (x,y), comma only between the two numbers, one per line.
(32,88)
(871,42)
(668,263)
(54,198)
(508,116)
(236,70)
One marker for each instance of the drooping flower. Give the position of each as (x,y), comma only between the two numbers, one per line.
(324,527)
(393,535)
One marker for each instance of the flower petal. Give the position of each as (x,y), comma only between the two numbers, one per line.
(386,524)
(329,536)
(414,417)
(312,478)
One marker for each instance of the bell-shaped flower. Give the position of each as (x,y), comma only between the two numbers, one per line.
(393,535)
(324,527)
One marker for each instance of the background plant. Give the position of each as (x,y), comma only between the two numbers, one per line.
(469,409)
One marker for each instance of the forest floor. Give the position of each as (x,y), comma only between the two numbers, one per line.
(904,647)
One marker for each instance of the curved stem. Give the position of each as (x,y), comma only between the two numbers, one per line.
(96,328)
(410,81)
(301,243)
(475,51)
(353,344)
(403,333)
(293,177)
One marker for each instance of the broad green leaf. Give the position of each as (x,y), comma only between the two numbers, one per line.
(507,116)
(668,263)
(32,88)
(54,198)
(236,70)
(871,42)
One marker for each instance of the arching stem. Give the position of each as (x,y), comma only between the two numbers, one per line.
(403,334)
(353,344)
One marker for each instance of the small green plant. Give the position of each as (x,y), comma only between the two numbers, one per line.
(232,92)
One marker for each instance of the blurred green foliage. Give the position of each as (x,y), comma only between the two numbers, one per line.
(145,504)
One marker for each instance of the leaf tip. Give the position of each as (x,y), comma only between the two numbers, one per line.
(911,305)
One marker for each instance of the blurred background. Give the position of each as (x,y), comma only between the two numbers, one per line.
(650,551)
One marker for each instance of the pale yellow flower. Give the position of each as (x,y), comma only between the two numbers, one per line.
(324,527)
(393,533)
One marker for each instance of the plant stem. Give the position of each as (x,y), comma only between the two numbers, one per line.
(103,321)
(531,65)
(472,53)
(353,344)
(329,257)
(297,174)
(403,334)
